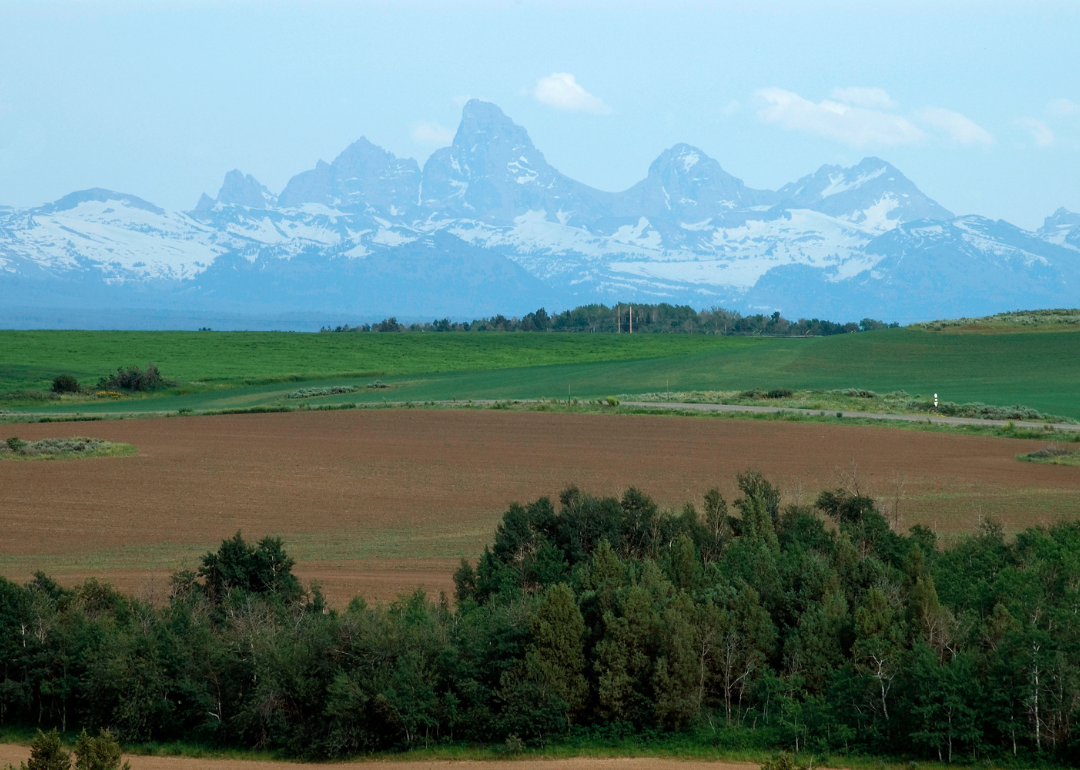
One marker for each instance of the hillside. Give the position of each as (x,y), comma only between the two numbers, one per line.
(243,369)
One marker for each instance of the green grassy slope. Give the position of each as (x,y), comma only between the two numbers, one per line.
(30,359)
(1038,369)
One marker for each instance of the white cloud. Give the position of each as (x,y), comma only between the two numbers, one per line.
(431,133)
(732,107)
(959,128)
(864,97)
(1042,135)
(562,91)
(853,125)
(1062,107)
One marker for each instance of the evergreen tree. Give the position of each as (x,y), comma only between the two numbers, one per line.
(556,656)
(100,753)
(47,752)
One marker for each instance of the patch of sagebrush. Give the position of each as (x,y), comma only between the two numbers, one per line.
(77,446)
(1053,454)
(315,392)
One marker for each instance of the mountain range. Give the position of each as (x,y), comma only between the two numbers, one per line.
(489,226)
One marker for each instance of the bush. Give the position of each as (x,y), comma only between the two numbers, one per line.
(612,401)
(77,445)
(65,383)
(859,393)
(780,393)
(47,753)
(316,392)
(101,753)
(133,378)
(783,761)
(30,395)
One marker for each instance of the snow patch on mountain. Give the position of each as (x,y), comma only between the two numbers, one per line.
(840,182)
(113,235)
(492,208)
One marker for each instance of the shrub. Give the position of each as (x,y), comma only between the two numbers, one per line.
(65,383)
(783,761)
(780,393)
(133,378)
(612,401)
(859,393)
(100,753)
(47,753)
(78,445)
(316,392)
(1053,450)
(30,395)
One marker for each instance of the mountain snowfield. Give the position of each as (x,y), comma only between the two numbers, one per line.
(488,226)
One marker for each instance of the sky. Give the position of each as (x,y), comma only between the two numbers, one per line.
(978,103)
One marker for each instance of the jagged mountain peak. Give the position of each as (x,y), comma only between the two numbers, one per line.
(683,158)
(872,193)
(1063,228)
(492,172)
(685,183)
(830,180)
(478,114)
(244,190)
(1060,218)
(488,142)
(362,156)
(363,176)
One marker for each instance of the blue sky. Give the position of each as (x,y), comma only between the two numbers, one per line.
(978,103)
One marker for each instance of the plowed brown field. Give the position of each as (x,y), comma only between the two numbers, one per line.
(378,502)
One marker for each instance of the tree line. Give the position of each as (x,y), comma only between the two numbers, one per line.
(813,628)
(638,318)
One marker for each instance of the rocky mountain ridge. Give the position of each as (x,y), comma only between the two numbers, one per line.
(488,225)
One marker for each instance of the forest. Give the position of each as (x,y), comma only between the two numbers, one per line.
(813,628)
(638,318)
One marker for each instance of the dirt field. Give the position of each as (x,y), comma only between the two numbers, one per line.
(378,502)
(16,754)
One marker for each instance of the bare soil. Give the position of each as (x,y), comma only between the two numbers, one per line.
(378,502)
(16,754)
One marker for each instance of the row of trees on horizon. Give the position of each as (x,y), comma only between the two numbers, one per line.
(764,625)
(633,318)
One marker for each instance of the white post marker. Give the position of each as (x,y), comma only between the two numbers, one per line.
(935,400)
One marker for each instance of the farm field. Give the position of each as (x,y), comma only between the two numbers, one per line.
(377,502)
(1038,368)
(15,754)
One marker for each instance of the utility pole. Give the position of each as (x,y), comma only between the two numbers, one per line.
(618,316)
(631,319)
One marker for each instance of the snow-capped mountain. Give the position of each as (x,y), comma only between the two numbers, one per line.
(1062,227)
(488,225)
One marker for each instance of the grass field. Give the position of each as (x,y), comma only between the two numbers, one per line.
(233,370)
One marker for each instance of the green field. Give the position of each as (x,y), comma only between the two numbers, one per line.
(220,370)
